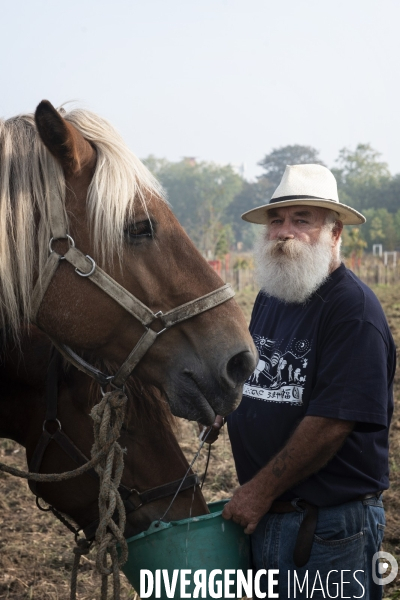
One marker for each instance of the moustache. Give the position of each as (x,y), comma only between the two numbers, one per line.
(288,248)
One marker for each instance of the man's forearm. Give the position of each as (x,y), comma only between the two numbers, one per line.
(315,441)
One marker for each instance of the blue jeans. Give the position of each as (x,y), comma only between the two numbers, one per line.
(340,565)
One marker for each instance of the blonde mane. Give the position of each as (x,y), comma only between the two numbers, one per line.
(30,178)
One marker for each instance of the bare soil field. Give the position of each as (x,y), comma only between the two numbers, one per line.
(36,550)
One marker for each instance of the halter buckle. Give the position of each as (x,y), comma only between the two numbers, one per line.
(135,491)
(92,270)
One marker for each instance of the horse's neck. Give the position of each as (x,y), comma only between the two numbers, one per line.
(22,383)
(153,455)
(153,458)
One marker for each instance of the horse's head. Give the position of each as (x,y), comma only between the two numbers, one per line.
(116,215)
(153,459)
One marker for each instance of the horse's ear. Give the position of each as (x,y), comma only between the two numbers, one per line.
(61,138)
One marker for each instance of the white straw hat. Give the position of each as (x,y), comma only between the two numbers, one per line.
(309,185)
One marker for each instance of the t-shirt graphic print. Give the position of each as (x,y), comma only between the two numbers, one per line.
(281,372)
(331,357)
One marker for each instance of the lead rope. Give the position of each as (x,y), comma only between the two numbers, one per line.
(107,459)
(110,532)
(108,416)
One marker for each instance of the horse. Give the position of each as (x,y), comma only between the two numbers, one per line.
(70,190)
(153,462)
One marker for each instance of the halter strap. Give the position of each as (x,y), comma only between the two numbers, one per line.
(111,287)
(132,498)
(85,266)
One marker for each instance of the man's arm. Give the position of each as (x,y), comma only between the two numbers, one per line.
(315,441)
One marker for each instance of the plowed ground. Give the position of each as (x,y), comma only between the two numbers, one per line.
(36,550)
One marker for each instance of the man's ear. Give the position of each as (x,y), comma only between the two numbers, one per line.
(337,231)
(61,138)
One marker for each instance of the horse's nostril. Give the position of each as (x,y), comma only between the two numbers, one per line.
(240,367)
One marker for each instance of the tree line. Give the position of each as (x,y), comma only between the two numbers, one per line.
(208,198)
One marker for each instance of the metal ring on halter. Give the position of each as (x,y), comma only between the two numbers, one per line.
(71,244)
(92,270)
(40,507)
(110,378)
(55,420)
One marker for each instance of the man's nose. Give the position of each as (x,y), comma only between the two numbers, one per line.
(286,232)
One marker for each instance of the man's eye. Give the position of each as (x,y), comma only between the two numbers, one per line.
(137,231)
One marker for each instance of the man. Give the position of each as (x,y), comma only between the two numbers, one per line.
(310,440)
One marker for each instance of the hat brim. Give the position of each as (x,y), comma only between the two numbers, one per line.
(348,215)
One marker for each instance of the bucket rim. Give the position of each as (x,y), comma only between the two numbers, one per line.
(157,526)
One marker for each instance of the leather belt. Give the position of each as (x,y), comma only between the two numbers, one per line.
(305,535)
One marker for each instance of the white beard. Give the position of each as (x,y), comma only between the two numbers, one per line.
(293,270)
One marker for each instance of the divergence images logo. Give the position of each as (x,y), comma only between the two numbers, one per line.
(383,566)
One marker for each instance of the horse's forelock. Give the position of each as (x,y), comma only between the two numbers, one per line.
(120,182)
(29,180)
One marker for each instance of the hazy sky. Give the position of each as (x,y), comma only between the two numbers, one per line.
(222,80)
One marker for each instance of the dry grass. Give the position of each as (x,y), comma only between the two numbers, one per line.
(36,551)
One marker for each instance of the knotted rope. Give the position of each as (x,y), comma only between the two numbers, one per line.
(110,532)
(82,547)
(107,459)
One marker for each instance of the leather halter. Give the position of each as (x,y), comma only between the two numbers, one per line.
(85,266)
(132,498)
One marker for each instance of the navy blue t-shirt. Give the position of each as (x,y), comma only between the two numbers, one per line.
(331,357)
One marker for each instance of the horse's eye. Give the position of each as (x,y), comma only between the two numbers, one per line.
(138,231)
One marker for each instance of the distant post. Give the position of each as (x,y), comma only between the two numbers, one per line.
(377,250)
(386,256)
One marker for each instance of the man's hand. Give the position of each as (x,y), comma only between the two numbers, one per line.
(315,441)
(247,506)
(215,429)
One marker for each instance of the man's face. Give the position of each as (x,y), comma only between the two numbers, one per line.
(302,223)
(297,253)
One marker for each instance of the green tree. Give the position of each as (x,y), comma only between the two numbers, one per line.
(275,162)
(381,227)
(353,243)
(199,193)
(389,196)
(363,179)
(250,196)
(225,241)
(396,222)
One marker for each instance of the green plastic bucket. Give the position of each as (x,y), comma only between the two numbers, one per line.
(207,542)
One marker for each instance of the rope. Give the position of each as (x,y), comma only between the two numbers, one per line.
(109,414)
(82,547)
(54,477)
(107,459)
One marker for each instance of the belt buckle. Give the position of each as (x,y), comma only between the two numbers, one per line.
(296,506)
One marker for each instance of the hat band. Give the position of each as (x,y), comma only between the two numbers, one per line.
(282,198)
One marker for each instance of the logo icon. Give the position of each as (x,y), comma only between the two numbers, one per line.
(384,562)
